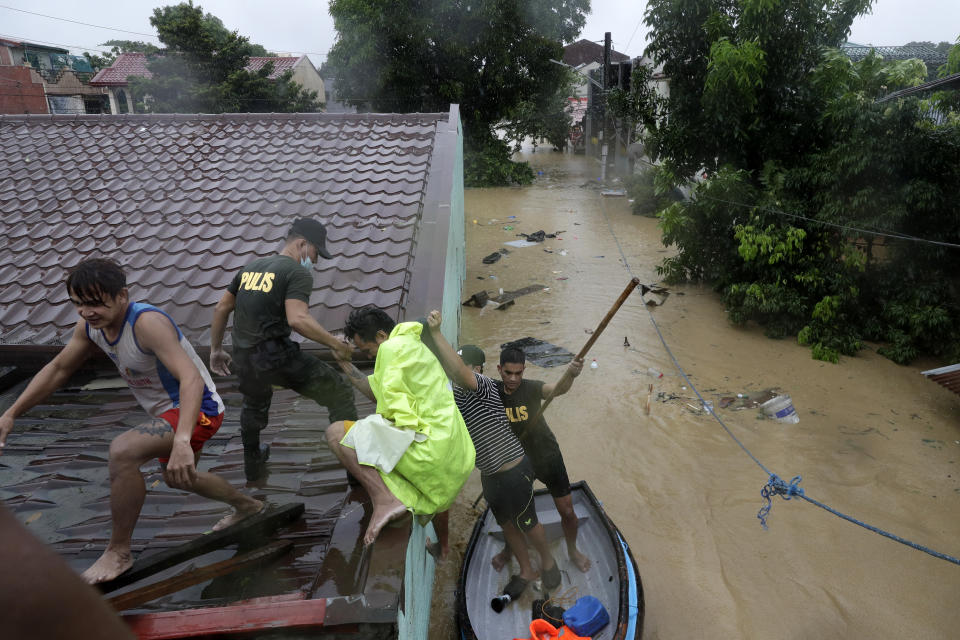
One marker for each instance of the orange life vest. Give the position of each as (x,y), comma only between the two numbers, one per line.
(540,629)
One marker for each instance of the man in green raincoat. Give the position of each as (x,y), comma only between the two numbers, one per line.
(415,452)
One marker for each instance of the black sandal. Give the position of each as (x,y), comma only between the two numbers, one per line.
(551,577)
(516,587)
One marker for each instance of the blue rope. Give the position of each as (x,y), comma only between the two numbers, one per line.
(775,485)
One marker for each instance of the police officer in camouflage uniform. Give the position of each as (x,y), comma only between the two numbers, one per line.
(269,297)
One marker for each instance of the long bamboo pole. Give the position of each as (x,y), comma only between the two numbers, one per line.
(634,283)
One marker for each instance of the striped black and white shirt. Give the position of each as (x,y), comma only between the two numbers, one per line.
(482,411)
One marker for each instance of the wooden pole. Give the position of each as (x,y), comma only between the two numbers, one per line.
(252,527)
(153,591)
(634,283)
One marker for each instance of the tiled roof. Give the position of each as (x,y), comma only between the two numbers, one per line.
(280,65)
(587,51)
(135,64)
(126,64)
(184,201)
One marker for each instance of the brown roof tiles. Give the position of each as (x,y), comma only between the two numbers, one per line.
(184,201)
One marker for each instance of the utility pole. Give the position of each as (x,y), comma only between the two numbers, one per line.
(604,146)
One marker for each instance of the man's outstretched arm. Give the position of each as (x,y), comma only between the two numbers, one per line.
(300,320)
(357,378)
(452,364)
(564,383)
(53,376)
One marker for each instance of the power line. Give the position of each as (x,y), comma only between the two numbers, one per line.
(139,33)
(885,234)
(633,34)
(86,24)
(58,44)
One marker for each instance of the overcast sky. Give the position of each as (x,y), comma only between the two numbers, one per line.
(305,26)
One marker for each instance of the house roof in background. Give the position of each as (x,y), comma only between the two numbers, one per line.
(586,51)
(948,377)
(951,82)
(184,201)
(31,45)
(126,64)
(280,64)
(135,64)
(905,52)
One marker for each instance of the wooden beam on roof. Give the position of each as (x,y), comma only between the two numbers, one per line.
(252,616)
(179,582)
(255,526)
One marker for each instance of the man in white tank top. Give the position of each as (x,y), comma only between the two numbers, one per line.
(168,379)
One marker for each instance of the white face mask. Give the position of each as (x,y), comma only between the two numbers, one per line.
(306,262)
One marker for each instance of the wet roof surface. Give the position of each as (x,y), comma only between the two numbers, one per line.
(184,201)
(54,476)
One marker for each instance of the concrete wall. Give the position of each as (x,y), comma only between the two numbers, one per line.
(307,76)
(19,93)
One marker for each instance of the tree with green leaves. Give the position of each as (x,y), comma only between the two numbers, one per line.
(202,68)
(492,57)
(813,184)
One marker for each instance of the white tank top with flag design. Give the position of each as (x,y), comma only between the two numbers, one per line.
(152,384)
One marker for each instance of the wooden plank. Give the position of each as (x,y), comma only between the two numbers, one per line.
(233,619)
(249,528)
(196,576)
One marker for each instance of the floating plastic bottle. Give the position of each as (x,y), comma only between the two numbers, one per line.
(653,373)
(593,364)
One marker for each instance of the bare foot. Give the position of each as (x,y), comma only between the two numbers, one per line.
(582,561)
(500,560)
(110,565)
(382,515)
(239,514)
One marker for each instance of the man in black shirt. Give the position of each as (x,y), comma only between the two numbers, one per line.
(506,474)
(270,297)
(521,400)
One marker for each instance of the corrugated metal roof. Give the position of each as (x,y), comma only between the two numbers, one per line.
(184,201)
(951,81)
(948,377)
(54,477)
(904,52)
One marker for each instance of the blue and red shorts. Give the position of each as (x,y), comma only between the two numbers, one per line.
(203,430)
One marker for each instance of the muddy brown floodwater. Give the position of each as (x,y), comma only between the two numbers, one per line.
(876,441)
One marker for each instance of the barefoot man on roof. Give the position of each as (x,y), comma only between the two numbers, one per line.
(168,379)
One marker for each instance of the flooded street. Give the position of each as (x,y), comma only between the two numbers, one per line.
(875,441)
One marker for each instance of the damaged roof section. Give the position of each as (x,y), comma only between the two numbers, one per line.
(54,477)
(184,201)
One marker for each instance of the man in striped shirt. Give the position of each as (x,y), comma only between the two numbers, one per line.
(505,472)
